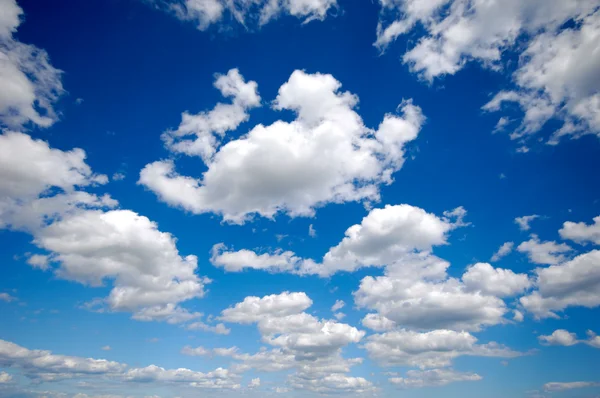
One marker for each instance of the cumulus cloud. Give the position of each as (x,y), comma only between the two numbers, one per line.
(495,281)
(556,75)
(432,378)
(300,341)
(503,251)
(525,221)
(559,337)
(433,349)
(338,305)
(40,193)
(572,283)
(205,13)
(7,298)
(29,84)
(381,237)
(326,155)
(581,232)
(548,252)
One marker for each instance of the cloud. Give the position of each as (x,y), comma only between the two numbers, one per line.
(581,232)
(523,222)
(209,128)
(416,292)
(566,338)
(495,281)
(548,252)
(503,251)
(326,155)
(339,304)
(38,261)
(254,309)
(381,237)
(5,378)
(311,231)
(557,386)
(29,84)
(457,33)
(432,378)
(559,337)
(7,298)
(433,349)
(573,283)
(254,383)
(106,348)
(205,13)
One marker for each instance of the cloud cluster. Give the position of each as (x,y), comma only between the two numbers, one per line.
(29,84)
(326,155)
(42,365)
(41,192)
(300,341)
(205,13)
(558,61)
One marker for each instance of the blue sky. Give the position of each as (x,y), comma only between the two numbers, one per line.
(299,198)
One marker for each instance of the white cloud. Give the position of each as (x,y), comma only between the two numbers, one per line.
(195,352)
(558,386)
(416,292)
(382,236)
(5,378)
(254,383)
(7,297)
(593,339)
(338,305)
(503,251)
(29,84)
(556,75)
(559,337)
(432,377)
(311,231)
(254,309)
(219,328)
(432,349)
(38,261)
(106,348)
(518,316)
(378,323)
(205,13)
(149,276)
(573,283)
(548,252)
(325,155)
(523,222)
(495,281)
(208,128)
(581,232)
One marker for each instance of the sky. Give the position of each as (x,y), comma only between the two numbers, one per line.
(250,198)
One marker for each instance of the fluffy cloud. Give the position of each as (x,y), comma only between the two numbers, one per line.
(301,341)
(546,86)
(5,378)
(581,232)
(415,292)
(40,193)
(573,283)
(544,252)
(381,237)
(433,377)
(208,128)
(559,337)
(525,221)
(41,365)
(325,155)
(503,251)
(494,281)
(566,338)
(30,169)
(29,84)
(149,275)
(432,349)
(338,305)
(205,13)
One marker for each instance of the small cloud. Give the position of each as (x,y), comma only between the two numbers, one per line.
(106,348)
(502,176)
(339,304)
(311,231)
(118,176)
(254,383)
(523,222)
(39,261)
(153,340)
(339,316)
(280,237)
(522,149)
(7,297)
(504,250)
(79,101)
